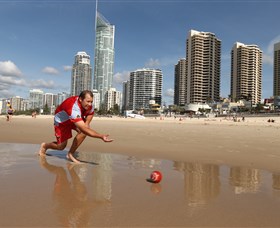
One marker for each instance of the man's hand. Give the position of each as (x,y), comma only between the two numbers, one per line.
(105,138)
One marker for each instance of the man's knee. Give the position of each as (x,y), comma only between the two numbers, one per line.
(81,135)
(61,146)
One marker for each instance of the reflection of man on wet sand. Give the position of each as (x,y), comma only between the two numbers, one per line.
(72,205)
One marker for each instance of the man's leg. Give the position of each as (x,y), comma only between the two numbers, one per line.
(53,145)
(80,137)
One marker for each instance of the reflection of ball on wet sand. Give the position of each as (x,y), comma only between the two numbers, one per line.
(156,188)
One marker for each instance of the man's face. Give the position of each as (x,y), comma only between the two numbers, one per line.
(87,102)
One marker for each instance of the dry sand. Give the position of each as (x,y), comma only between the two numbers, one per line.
(216,172)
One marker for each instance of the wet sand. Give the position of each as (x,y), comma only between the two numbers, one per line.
(216,173)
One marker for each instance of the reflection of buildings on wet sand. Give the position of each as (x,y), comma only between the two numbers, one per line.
(276,181)
(201,181)
(144,163)
(244,179)
(102,177)
(276,184)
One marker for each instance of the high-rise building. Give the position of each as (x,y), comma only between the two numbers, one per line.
(112,98)
(145,88)
(104,55)
(16,103)
(36,99)
(203,59)
(96,99)
(61,97)
(276,70)
(180,83)
(81,74)
(48,99)
(24,105)
(125,96)
(49,102)
(246,72)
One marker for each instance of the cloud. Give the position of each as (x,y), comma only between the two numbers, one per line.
(152,63)
(8,68)
(270,48)
(268,53)
(40,83)
(50,70)
(169,93)
(267,59)
(67,68)
(120,77)
(5,93)
(8,80)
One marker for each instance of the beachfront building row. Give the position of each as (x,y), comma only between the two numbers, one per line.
(37,100)
(197,77)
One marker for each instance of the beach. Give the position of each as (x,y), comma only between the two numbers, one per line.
(216,172)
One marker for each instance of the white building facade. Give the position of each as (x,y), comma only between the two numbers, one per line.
(112,98)
(36,99)
(96,99)
(145,87)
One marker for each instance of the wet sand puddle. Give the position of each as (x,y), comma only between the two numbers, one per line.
(52,191)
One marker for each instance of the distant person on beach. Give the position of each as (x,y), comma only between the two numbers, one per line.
(75,113)
(34,114)
(10,113)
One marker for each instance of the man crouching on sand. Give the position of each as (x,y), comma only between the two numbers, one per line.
(75,113)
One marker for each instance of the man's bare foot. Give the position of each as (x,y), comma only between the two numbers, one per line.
(72,158)
(43,149)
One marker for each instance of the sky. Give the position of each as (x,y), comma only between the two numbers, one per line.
(40,38)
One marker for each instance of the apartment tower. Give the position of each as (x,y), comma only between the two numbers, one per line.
(276,70)
(104,55)
(180,83)
(203,66)
(125,96)
(145,88)
(35,98)
(112,98)
(81,74)
(246,72)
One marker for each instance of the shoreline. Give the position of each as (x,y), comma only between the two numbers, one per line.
(155,138)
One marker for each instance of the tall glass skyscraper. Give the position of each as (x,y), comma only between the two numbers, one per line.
(104,55)
(81,74)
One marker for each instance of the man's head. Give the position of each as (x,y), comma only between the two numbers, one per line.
(86,99)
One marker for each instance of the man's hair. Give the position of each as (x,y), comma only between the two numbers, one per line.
(84,93)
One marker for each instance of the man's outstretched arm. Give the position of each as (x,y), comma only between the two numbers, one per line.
(81,125)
